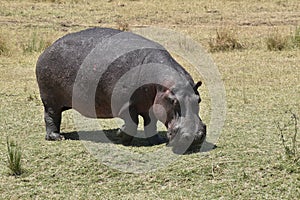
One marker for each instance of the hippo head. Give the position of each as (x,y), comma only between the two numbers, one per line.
(178,108)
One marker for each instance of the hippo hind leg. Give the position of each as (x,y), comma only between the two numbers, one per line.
(52,117)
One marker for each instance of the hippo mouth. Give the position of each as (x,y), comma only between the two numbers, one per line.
(184,143)
(197,143)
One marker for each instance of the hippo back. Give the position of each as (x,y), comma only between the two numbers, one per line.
(58,66)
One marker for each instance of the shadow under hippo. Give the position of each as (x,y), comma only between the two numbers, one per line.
(111,134)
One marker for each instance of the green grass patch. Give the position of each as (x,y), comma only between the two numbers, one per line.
(288,135)
(36,43)
(14,155)
(295,38)
(278,41)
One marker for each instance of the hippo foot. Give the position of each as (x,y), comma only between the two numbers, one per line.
(156,140)
(119,133)
(54,137)
(125,138)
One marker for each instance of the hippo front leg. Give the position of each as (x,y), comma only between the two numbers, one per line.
(126,134)
(129,129)
(150,129)
(52,119)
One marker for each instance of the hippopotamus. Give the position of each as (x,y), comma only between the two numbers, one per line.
(107,73)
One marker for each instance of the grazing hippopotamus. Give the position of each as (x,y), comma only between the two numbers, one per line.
(106,73)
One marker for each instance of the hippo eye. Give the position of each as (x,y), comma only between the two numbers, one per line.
(175,130)
(172,101)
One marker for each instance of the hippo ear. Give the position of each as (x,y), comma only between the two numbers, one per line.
(198,84)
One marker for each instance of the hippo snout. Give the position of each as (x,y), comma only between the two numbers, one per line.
(200,137)
(185,142)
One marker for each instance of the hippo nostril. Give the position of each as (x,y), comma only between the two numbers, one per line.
(202,129)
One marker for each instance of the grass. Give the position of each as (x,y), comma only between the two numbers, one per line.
(225,40)
(123,26)
(289,140)
(250,160)
(277,42)
(296,37)
(57,1)
(35,44)
(4,46)
(14,155)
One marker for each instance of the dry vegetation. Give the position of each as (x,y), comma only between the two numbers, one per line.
(261,85)
(4,45)
(225,40)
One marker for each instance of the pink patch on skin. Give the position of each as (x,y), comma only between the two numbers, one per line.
(160,112)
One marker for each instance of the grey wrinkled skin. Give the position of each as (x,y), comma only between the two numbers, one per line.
(57,69)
